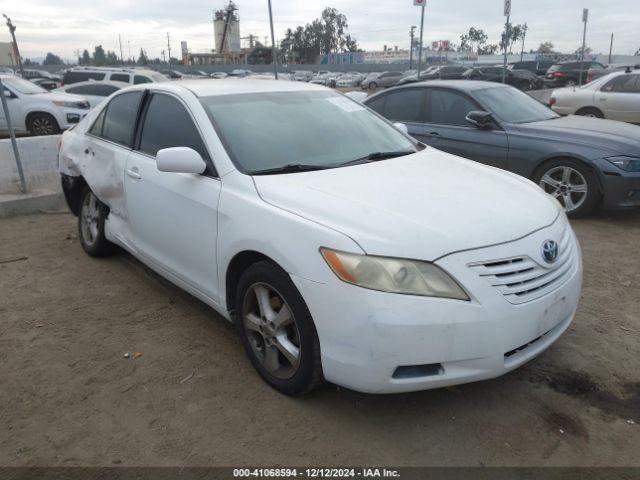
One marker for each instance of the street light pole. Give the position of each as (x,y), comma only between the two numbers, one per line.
(585,18)
(274,55)
(12,134)
(411,48)
(424,2)
(506,46)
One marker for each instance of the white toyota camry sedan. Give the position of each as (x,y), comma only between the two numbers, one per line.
(340,247)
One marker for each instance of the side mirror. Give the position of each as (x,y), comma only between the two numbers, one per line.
(180,160)
(402,127)
(479,119)
(8,94)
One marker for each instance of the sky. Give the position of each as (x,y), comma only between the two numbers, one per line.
(70,25)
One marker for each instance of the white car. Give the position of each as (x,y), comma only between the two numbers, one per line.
(369,260)
(93,92)
(36,110)
(615,96)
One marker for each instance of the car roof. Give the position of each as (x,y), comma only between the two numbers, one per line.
(207,88)
(462,85)
(97,82)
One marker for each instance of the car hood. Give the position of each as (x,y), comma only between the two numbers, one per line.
(61,97)
(618,137)
(421,206)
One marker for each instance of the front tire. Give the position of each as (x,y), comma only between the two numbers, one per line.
(571,183)
(40,124)
(277,330)
(91,218)
(373,85)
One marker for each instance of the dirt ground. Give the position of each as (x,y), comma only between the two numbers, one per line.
(68,397)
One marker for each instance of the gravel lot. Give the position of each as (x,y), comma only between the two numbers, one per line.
(69,397)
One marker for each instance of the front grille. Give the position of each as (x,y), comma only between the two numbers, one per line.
(522,279)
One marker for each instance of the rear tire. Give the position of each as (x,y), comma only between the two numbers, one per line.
(590,112)
(42,124)
(571,183)
(277,330)
(91,218)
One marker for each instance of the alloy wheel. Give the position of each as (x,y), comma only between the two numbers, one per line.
(567,185)
(43,126)
(271,330)
(89,214)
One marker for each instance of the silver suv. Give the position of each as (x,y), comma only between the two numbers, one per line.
(127,75)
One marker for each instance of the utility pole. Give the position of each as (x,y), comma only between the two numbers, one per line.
(507,13)
(129,46)
(164,57)
(524,35)
(121,57)
(610,48)
(585,19)
(422,4)
(12,31)
(169,48)
(12,134)
(411,34)
(274,55)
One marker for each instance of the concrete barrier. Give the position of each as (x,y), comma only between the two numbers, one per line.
(39,157)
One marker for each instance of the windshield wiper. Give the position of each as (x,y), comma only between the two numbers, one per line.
(291,168)
(376,156)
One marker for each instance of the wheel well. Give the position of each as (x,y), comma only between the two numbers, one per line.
(237,266)
(72,188)
(583,109)
(581,162)
(30,115)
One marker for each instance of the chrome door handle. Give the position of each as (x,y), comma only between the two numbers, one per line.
(134,174)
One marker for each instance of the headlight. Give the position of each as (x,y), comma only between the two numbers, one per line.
(630,164)
(393,275)
(80,105)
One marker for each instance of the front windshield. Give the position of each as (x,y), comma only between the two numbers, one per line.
(265,131)
(513,106)
(23,86)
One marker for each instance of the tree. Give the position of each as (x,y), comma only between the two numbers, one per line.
(545,47)
(510,35)
(327,34)
(143,60)
(99,57)
(476,41)
(85,59)
(28,62)
(52,59)
(637,54)
(112,59)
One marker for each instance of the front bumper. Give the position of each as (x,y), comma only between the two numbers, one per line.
(366,335)
(621,190)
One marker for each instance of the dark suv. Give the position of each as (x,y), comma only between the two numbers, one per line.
(569,73)
(538,67)
(522,79)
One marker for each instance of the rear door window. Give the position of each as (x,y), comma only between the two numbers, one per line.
(120,77)
(622,84)
(120,118)
(405,105)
